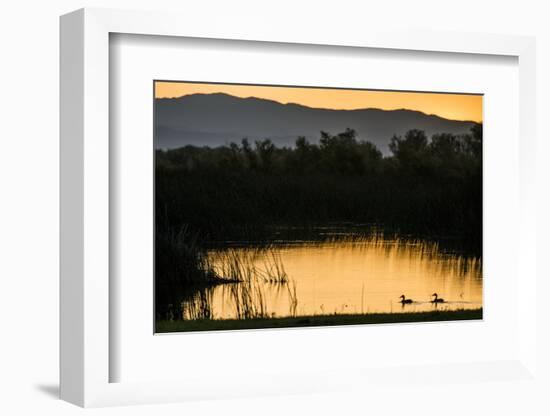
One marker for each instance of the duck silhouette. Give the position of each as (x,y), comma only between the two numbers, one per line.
(437,299)
(404,300)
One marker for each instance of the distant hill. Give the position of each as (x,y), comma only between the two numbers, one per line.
(217,119)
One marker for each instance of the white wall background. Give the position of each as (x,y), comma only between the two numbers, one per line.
(29,57)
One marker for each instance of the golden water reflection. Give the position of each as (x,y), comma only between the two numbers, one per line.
(361,276)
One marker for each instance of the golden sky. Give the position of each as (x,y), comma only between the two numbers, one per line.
(452,106)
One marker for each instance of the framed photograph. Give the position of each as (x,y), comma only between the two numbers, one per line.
(284,206)
(315,200)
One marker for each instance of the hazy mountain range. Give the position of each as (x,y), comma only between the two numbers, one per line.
(218,119)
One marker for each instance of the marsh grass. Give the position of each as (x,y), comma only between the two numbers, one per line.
(248,272)
(259,263)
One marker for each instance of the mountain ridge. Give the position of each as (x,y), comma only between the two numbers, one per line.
(310,107)
(217,119)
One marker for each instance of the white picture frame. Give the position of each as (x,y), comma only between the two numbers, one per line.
(85,354)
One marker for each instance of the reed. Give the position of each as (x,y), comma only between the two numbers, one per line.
(262,263)
(200,307)
(248,271)
(293,298)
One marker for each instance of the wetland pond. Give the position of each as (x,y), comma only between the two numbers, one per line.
(350,275)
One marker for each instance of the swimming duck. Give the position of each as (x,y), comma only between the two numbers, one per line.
(436,299)
(405,300)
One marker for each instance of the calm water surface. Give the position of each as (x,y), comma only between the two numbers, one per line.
(359,276)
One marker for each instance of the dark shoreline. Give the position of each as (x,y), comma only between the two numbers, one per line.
(317,320)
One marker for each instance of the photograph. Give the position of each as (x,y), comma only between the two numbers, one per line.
(238,208)
(279,206)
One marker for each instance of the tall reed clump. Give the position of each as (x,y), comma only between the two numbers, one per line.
(250,301)
(179,258)
(274,270)
(249,271)
(249,268)
(238,265)
(181,267)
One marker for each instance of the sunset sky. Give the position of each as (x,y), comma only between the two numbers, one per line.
(452,106)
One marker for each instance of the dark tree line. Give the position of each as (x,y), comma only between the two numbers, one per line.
(427,185)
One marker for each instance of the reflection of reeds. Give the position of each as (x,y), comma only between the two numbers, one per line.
(200,307)
(249,300)
(293,299)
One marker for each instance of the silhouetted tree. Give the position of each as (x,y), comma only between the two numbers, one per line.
(265,151)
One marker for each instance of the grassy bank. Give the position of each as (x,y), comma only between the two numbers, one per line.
(318,320)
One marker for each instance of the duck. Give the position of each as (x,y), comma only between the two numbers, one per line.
(436,299)
(405,300)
